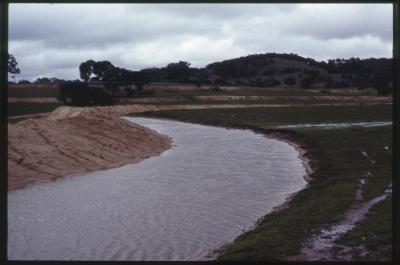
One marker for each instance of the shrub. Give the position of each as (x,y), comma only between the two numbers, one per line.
(306,82)
(290,81)
(73,93)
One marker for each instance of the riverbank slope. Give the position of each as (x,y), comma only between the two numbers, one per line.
(48,148)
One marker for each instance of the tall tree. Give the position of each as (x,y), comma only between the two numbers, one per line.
(111,76)
(179,71)
(13,65)
(86,70)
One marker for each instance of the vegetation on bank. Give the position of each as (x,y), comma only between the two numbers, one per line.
(191,101)
(267,117)
(338,164)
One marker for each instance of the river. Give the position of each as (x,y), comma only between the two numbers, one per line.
(211,186)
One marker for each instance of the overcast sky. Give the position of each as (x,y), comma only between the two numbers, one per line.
(53,39)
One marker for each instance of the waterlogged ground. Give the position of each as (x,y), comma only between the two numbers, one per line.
(213,184)
(335,125)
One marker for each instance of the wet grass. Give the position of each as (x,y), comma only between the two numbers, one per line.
(242,92)
(266,117)
(260,92)
(374,234)
(234,102)
(338,165)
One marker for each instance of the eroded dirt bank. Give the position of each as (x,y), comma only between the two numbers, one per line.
(72,141)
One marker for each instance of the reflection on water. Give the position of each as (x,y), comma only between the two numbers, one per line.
(203,192)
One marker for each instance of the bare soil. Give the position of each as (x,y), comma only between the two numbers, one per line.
(45,149)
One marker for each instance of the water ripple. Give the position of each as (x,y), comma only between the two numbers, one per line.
(203,192)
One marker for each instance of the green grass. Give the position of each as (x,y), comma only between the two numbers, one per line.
(338,163)
(253,92)
(243,92)
(234,102)
(51,90)
(265,117)
(16,109)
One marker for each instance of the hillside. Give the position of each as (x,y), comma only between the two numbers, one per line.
(282,70)
(292,70)
(258,70)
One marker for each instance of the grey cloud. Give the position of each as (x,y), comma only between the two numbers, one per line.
(54,39)
(213,11)
(333,22)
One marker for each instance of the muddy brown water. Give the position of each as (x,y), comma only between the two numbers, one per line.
(212,185)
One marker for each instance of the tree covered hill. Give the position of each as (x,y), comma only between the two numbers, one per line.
(258,70)
(273,69)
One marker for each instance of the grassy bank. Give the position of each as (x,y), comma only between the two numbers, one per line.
(266,117)
(262,92)
(338,163)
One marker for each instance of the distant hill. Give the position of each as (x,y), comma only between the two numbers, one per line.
(273,69)
(258,70)
(286,70)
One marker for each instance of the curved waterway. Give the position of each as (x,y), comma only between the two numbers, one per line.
(212,185)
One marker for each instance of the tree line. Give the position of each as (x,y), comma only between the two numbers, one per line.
(253,70)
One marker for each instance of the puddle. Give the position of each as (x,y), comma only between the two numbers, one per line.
(212,185)
(334,125)
(321,245)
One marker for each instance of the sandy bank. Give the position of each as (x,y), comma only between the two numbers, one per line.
(72,141)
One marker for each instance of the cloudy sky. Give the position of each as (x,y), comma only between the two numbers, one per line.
(53,39)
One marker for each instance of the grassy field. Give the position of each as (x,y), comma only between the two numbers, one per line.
(338,165)
(235,102)
(262,92)
(15,109)
(31,91)
(51,90)
(266,117)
